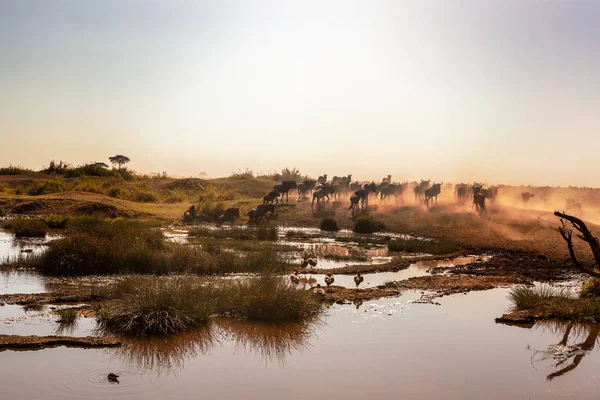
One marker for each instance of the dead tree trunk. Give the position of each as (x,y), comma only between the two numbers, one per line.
(584,234)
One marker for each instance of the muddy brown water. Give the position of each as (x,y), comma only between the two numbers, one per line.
(388,348)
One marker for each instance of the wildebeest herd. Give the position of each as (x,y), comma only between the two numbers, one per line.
(342,188)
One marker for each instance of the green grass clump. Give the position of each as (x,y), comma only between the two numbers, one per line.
(67,315)
(551,302)
(366,224)
(152,306)
(422,246)
(269,298)
(57,221)
(26,227)
(591,288)
(329,225)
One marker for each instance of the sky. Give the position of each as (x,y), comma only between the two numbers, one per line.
(496,91)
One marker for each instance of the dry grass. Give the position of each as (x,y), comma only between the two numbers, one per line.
(551,302)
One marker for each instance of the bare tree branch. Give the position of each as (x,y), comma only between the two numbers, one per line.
(585,235)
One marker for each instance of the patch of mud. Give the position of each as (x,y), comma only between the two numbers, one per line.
(446,284)
(73,296)
(15,342)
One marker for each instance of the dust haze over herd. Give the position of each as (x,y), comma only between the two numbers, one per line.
(500,92)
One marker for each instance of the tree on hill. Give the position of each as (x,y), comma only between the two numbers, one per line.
(119,160)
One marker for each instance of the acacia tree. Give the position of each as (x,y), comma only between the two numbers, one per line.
(119,160)
(566,231)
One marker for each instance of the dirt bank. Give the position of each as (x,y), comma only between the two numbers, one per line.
(72,296)
(15,342)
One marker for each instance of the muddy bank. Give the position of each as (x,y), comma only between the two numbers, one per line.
(73,296)
(524,265)
(451,284)
(15,342)
(394,265)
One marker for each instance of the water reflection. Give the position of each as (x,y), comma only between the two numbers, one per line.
(566,357)
(167,355)
(271,341)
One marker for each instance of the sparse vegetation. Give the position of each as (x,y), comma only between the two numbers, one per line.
(26,227)
(160,306)
(13,170)
(591,288)
(546,302)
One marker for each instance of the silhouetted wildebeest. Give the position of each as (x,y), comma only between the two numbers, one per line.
(229,215)
(386,180)
(490,193)
(284,188)
(392,189)
(189,216)
(271,197)
(322,192)
(256,214)
(433,192)
(420,189)
(322,180)
(460,191)
(526,196)
(354,186)
(354,199)
(478,198)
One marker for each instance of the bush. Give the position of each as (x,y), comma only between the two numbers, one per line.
(329,225)
(591,288)
(366,224)
(47,187)
(265,232)
(422,246)
(151,306)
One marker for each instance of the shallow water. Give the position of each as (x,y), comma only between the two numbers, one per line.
(416,269)
(388,348)
(15,320)
(12,247)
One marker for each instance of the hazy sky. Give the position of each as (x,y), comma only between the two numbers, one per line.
(501,91)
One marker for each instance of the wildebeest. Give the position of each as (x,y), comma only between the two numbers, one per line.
(490,193)
(478,198)
(256,214)
(284,188)
(370,188)
(354,200)
(460,190)
(322,180)
(433,192)
(354,186)
(420,189)
(229,215)
(526,196)
(189,216)
(386,180)
(392,189)
(271,197)
(322,192)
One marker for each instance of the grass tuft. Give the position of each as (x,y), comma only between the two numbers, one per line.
(366,224)
(329,225)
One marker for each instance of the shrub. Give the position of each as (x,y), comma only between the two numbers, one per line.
(422,246)
(264,232)
(366,224)
(329,225)
(151,306)
(115,192)
(47,187)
